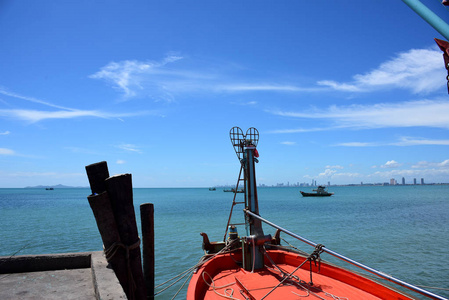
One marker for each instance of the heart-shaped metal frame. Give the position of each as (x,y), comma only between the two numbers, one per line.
(240,140)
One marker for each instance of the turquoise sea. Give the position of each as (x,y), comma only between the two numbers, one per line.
(400,230)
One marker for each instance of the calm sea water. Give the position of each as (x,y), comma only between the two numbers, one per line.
(400,230)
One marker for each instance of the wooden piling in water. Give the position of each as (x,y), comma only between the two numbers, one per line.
(147,220)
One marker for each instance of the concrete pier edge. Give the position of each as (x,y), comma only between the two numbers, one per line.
(105,283)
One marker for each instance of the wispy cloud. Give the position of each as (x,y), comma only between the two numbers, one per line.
(36,115)
(31,99)
(5,133)
(402,142)
(6,151)
(163,80)
(335,167)
(327,173)
(411,141)
(418,70)
(263,87)
(130,76)
(40,115)
(129,148)
(424,113)
(288,143)
(298,130)
(426,164)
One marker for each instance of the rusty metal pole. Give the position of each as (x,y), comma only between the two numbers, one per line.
(147,219)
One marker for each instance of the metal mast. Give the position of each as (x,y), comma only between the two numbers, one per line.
(245,148)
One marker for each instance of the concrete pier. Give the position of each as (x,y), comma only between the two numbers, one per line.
(58,276)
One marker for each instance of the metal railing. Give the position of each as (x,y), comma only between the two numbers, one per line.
(351,261)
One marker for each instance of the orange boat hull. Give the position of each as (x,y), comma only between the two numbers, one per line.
(222,277)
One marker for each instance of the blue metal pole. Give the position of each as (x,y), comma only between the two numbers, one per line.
(429,16)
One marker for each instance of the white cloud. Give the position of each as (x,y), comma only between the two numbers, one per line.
(426,165)
(403,141)
(327,173)
(120,162)
(5,133)
(130,76)
(425,113)
(31,99)
(298,130)
(39,115)
(410,141)
(344,87)
(288,143)
(391,164)
(335,167)
(129,148)
(34,115)
(6,151)
(418,70)
(163,80)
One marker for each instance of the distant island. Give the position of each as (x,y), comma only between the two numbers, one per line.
(58,186)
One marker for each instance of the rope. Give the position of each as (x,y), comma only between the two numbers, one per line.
(315,257)
(23,247)
(203,260)
(110,253)
(212,285)
(285,278)
(183,284)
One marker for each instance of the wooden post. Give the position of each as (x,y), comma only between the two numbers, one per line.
(120,192)
(97,173)
(101,207)
(147,220)
(100,204)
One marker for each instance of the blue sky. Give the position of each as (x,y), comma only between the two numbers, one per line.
(340,91)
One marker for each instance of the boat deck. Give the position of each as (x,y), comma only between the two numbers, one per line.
(221,277)
(238,283)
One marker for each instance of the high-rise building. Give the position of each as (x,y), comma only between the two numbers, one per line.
(403,181)
(393,181)
(422,180)
(414,181)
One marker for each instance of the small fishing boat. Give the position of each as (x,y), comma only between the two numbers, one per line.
(256,265)
(233,190)
(320,191)
(212,189)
